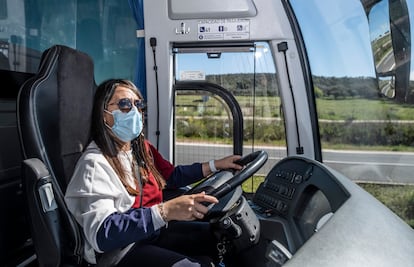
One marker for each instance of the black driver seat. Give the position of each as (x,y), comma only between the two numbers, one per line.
(54,113)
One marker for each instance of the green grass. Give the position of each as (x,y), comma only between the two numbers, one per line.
(251,184)
(399,198)
(342,109)
(363,109)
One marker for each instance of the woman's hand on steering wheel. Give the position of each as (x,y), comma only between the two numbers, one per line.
(224,182)
(228,162)
(187,207)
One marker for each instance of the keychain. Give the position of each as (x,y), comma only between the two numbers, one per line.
(221,247)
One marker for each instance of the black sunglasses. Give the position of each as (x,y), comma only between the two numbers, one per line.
(126,104)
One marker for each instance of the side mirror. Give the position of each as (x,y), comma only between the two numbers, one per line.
(390,37)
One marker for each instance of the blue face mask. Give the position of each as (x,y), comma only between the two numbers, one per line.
(127,126)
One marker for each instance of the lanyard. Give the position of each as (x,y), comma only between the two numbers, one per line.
(139,179)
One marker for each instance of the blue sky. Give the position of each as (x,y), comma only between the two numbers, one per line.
(348,33)
(381,22)
(342,49)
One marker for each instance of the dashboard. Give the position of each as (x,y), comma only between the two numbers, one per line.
(298,193)
(294,201)
(312,215)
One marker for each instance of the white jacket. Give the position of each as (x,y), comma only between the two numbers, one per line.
(95,192)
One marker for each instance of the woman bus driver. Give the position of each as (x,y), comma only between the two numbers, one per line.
(116,196)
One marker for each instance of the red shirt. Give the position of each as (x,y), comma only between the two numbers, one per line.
(152,194)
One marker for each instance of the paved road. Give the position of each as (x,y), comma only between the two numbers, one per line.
(383,167)
(386,167)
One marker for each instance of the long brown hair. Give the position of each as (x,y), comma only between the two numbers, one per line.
(110,145)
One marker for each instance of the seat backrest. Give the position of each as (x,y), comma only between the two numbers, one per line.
(54,112)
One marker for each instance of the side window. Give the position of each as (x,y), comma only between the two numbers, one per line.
(366,129)
(204,122)
(104,30)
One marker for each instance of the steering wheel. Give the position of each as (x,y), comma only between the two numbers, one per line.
(221,183)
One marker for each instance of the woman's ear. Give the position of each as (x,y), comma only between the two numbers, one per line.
(108,119)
